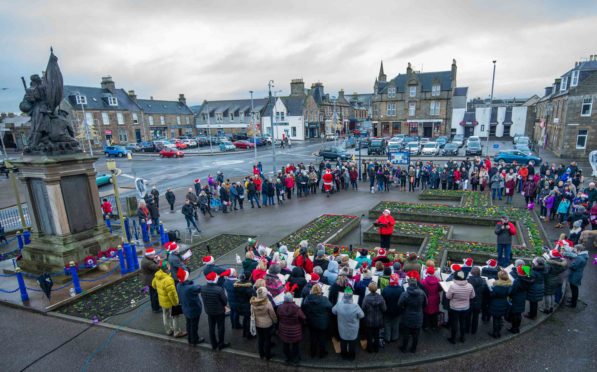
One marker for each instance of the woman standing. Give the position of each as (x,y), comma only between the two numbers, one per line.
(374,307)
(290,328)
(265,318)
(349,315)
(460,294)
(412,301)
(243,290)
(385,223)
(317,309)
(499,302)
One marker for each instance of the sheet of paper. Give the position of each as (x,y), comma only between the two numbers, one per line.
(268,251)
(445,285)
(187,255)
(311,258)
(298,301)
(375,279)
(279,299)
(283,278)
(444,276)
(490,282)
(325,290)
(352,264)
(509,268)
(308,277)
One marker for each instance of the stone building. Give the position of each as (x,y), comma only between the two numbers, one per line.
(166,119)
(418,103)
(230,116)
(334,112)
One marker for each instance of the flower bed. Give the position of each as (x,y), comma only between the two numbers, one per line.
(410,232)
(327,228)
(467,198)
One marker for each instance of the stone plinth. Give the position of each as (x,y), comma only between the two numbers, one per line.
(65,211)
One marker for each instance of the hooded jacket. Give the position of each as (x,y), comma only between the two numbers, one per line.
(243,291)
(556,266)
(412,302)
(297,276)
(537,290)
(318,310)
(332,272)
(164,285)
(349,315)
(480,286)
(518,292)
(577,267)
(460,295)
(391,295)
(499,297)
(290,318)
(432,289)
(263,311)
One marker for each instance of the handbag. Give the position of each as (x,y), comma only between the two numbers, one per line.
(253,327)
(176,310)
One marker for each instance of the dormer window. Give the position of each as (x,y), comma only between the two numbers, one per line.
(391,92)
(231,115)
(574,79)
(435,90)
(564,84)
(81,100)
(412,91)
(204,115)
(112,101)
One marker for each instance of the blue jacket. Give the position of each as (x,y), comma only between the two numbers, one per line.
(577,267)
(518,293)
(392,295)
(537,290)
(229,287)
(499,299)
(188,295)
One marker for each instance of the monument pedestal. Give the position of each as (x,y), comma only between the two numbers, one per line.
(65,212)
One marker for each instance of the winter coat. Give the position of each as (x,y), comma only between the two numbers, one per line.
(318,310)
(348,314)
(498,306)
(332,272)
(577,267)
(273,284)
(304,262)
(297,276)
(176,262)
(230,292)
(148,270)
(374,307)
(460,295)
(537,290)
(243,291)
(412,302)
(360,288)
(518,293)
(552,279)
(391,294)
(248,266)
(335,291)
(263,311)
(362,259)
(387,225)
(170,197)
(510,186)
(290,318)
(188,211)
(164,285)
(489,272)
(480,286)
(154,212)
(432,289)
(214,299)
(258,274)
(321,262)
(189,299)
(503,235)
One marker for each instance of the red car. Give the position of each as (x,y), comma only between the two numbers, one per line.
(242,144)
(171,153)
(180,145)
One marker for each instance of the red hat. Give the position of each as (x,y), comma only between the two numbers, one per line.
(492,263)
(364,265)
(394,280)
(227,272)
(197,180)
(555,253)
(167,245)
(381,252)
(149,251)
(314,278)
(173,247)
(430,270)
(208,260)
(468,262)
(211,277)
(455,267)
(523,270)
(182,275)
(413,275)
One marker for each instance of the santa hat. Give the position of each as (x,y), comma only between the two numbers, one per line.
(314,278)
(150,252)
(523,270)
(386,212)
(381,252)
(211,277)
(468,262)
(167,246)
(413,275)
(394,280)
(430,270)
(173,247)
(182,275)
(228,272)
(555,253)
(328,171)
(208,260)
(492,263)
(197,180)
(364,266)
(455,267)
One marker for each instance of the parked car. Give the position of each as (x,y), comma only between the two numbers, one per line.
(331,137)
(148,147)
(424,140)
(133,147)
(377,146)
(180,145)
(473,139)
(458,140)
(524,141)
(362,144)
(102,179)
(473,148)
(525,149)
(119,151)
(226,146)
(520,139)
(510,156)
(334,153)
(394,147)
(240,136)
(257,140)
(413,148)
(442,140)
(191,143)
(515,138)
(430,148)
(168,152)
(267,139)
(202,141)
(242,144)
(450,149)
(161,144)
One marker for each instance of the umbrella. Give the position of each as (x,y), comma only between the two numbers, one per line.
(53,82)
(46,283)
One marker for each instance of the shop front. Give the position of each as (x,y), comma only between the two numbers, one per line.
(158,132)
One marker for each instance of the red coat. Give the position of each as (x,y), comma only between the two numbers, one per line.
(432,288)
(389,222)
(107,207)
(257,182)
(328,180)
(289,182)
(305,263)
(510,186)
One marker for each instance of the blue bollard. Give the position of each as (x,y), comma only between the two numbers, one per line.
(108,224)
(75,274)
(123,269)
(134,257)
(129,257)
(20,240)
(135,230)
(163,235)
(22,286)
(144,232)
(27,237)
(127,229)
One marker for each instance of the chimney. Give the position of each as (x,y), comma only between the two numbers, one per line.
(409,69)
(151,98)
(548,90)
(454,70)
(108,83)
(182,99)
(341,94)
(132,95)
(297,87)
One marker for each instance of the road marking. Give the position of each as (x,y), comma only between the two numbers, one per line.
(227,162)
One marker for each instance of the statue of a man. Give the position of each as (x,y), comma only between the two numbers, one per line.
(34,104)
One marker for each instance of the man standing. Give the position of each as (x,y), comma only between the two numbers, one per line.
(504,230)
(175,260)
(385,223)
(188,293)
(156,196)
(328,180)
(149,266)
(215,301)
(171,199)
(189,214)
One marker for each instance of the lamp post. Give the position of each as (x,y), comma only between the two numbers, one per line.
(490,103)
(211,150)
(334,122)
(254,125)
(111,165)
(270,85)
(86,123)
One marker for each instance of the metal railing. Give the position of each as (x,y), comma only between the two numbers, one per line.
(10,220)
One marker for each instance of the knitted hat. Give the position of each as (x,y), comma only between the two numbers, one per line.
(314,278)
(320,253)
(492,263)
(456,267)
(523,270)
(251,242)
(518,262)
(150,252)
(208,260)
(430,270)
(381,252)
(304,244)
(555,253)
(182,275)
(394,280)
(173,248)
(348,291)
(164,265)
(468,262)
(211,277)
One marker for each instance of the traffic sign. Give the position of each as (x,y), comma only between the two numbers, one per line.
(496,145)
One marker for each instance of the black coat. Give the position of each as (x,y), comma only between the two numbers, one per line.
(518,293)
(170,197)
(489,272)
(323,263)
(553,280)
(214,299)
(318,310)
(499,300)
(480,286)
(412,302)
(243,292)
(297,276)
(392,295)
(537,290)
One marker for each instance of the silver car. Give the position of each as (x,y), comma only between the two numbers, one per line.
(430,148)
(413,148)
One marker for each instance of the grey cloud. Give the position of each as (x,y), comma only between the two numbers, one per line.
(419,47)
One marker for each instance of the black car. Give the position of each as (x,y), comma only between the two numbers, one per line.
(377,146)
(449,149)
(148,147)
(239,137)
(334,153)
(473,148)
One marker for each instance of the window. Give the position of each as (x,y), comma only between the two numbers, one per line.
(162,120)
(135,118)
(581,139)
(564,84)
(282,115)
(293,132)
(150,120)
(120,118)
(391,109)
(219,117)
(587,106)
(257,116)
(574,79)
(435,90)
(105,118)
(434,108)
(412,91)
(123,135)
(112,101)
(178,120)
(391,92)
(187,120)
(231,116)
(411,108)
(204,115)
(89,118)
(81,100)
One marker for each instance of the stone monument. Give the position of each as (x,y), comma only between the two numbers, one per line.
(60,183)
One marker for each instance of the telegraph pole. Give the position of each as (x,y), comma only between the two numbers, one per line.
(254,127)
(490,108)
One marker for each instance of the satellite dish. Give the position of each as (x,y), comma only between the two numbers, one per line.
(140,187)
(593,161)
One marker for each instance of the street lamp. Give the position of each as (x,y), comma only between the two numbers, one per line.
(79,98)
(111,165)
(334,122)
(490,107)
(254,127)
(211,150)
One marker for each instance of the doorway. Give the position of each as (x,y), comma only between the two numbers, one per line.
(427,131)
(469,131)
(138,135)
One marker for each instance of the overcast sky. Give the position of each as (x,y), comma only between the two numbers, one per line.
(222,49)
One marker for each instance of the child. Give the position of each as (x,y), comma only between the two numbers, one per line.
(563,208)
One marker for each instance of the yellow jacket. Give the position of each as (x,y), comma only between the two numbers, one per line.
(164,284)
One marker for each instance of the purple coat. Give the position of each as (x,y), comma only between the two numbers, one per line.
(290,318)
(432,288)
(549,201)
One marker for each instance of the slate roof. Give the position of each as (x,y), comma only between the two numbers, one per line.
(153,106)
(238,105)
(294,105)
(97,98)
(460,92)
(426,80)
(586,68)
(196,109)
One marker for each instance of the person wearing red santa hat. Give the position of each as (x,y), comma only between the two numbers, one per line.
(188,293)
(215,301)
(382,256)
(385,223)
(490,271)
(328,181)
(210,266)
(175,260)
(467,265)
(432,288)
(149,266)
(553,282)
(460,294)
